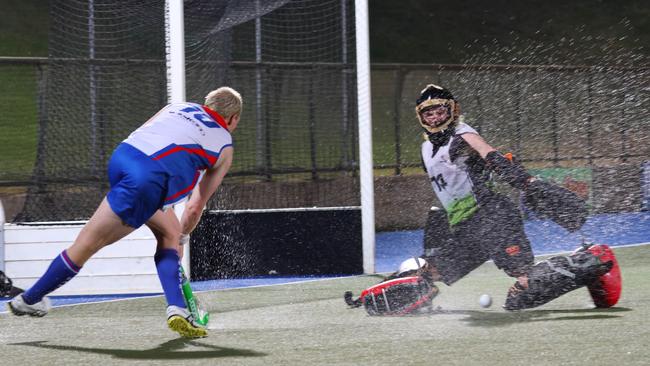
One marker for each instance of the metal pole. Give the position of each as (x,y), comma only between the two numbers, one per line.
(92,92)
(589,120)
(555,135)
(345,104)
(176,80)
(399,85)
(622,126)
(518,96)
(262,152)
(365,136)
(311,115)
(175,52)
(2,237)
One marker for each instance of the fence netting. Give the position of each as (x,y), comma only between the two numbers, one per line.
(107,74)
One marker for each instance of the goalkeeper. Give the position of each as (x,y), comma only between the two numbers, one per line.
(480,224)
(183,146)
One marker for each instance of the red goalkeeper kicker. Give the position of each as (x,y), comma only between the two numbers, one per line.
(607,289)
(399,296)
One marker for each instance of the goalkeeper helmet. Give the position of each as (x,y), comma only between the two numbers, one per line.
(434,96)
(410,265)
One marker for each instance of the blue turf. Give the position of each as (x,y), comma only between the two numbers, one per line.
(394,247)
(545,236)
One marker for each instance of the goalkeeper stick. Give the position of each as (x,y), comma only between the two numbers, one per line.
(350,301)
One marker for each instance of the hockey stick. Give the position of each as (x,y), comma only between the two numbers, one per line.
(201,316)
(350,301)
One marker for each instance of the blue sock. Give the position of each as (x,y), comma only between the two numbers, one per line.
(60,271)
(167,264)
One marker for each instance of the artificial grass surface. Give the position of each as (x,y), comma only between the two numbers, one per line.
(308,323)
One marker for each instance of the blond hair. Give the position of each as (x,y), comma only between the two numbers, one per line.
(226,101)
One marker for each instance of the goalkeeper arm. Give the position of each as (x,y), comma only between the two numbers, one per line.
(503,165)
(508,170)
(545,199)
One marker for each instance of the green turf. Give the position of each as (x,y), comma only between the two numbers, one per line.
(308,323)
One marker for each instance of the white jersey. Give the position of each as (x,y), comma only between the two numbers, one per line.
(451,180)
(183,126)
(186,138)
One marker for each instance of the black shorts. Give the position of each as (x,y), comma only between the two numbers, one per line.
(495,231)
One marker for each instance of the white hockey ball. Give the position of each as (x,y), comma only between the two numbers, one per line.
(485,301)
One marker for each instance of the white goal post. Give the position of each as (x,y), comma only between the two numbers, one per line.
(175,57)
(366,171)
(2,237)
(176,93)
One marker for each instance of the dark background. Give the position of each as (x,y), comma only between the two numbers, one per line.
(592,32)
(519,32)
(288,243)
(561,104)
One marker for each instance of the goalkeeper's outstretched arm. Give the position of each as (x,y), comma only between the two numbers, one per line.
(508,170)
(545,199)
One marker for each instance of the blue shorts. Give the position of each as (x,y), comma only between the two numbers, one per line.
(138,185)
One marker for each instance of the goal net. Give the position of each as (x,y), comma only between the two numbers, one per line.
(292,60)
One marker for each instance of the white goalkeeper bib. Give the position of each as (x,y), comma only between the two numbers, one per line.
(451,180)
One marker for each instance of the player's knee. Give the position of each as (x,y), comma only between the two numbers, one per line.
(169,240)
(515,261)
(165,226)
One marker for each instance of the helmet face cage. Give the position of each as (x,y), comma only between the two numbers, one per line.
(434,95)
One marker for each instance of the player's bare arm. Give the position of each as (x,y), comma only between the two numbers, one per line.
(206,188)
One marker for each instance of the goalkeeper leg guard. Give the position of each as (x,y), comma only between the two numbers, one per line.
(555,277)
(606,290)
(399,296)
